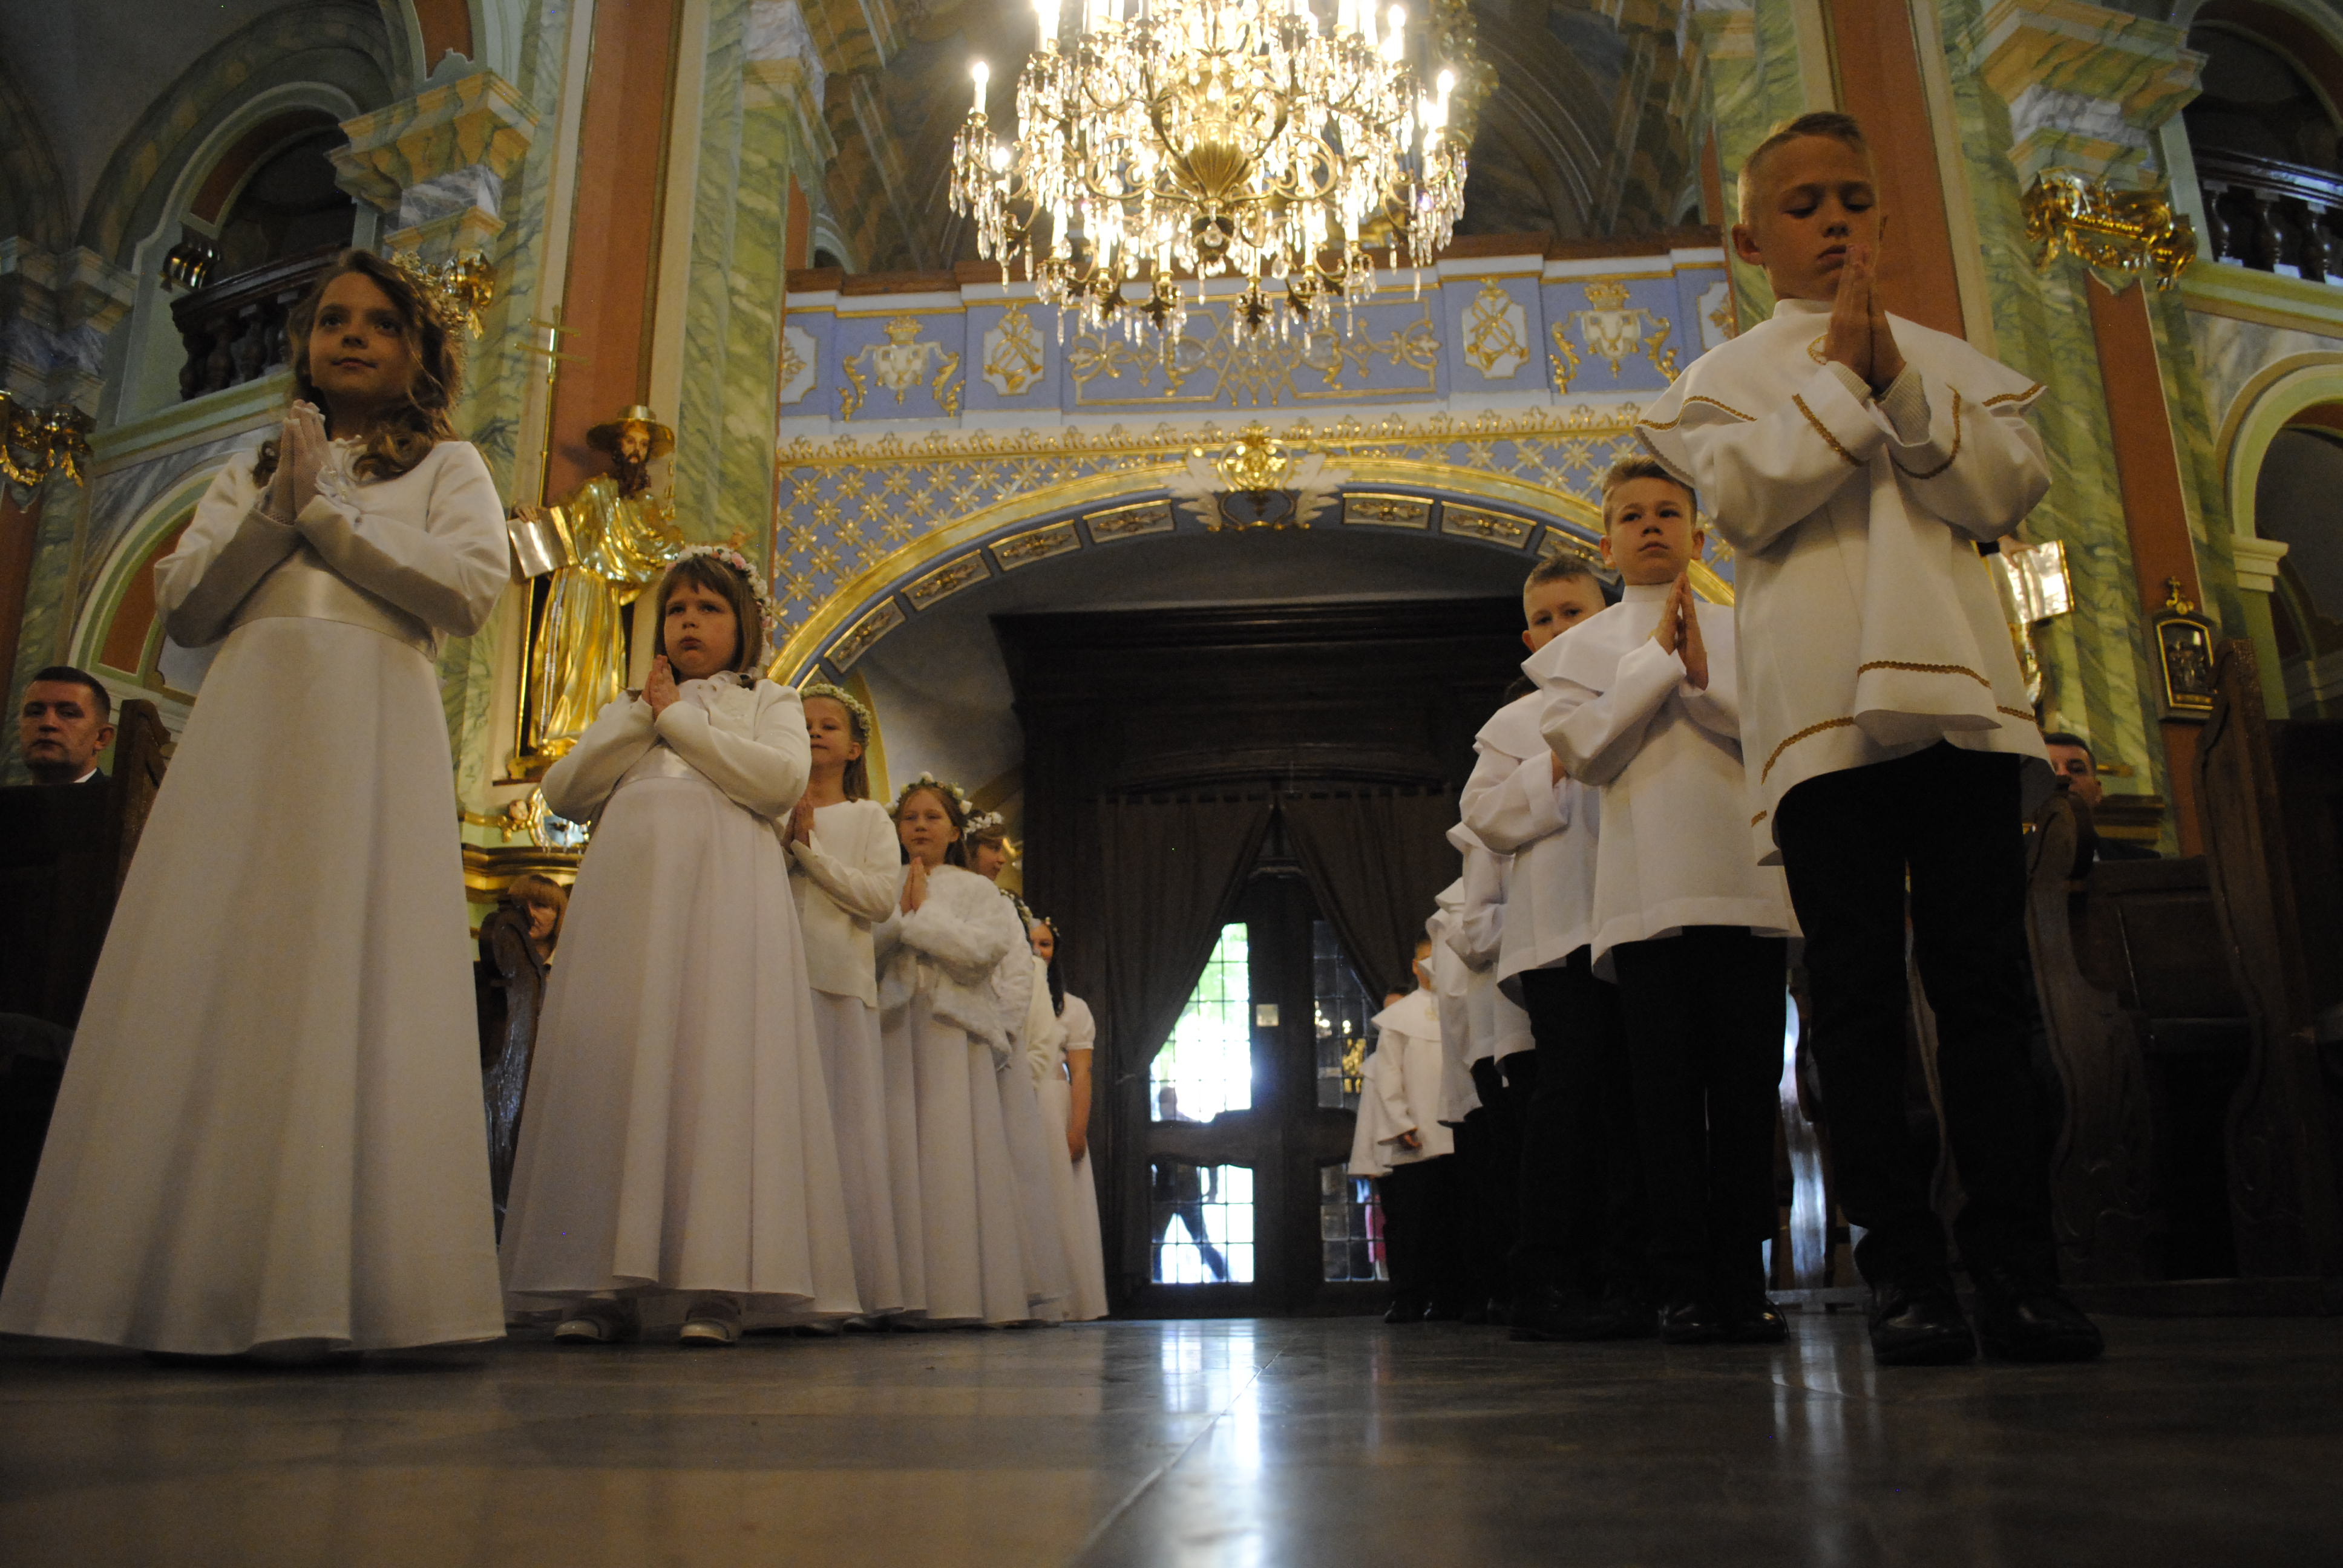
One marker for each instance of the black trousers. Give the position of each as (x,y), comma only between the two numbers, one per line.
(1581,1195)
(1423,1215)
(1948,821)
(1490,1144)
(1702,1016)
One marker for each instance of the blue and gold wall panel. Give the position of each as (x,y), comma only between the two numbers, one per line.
(930,441)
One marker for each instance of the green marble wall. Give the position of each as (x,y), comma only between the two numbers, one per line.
(2096,658)
(724,470)
(1754,84)
(500,375)
(48,598)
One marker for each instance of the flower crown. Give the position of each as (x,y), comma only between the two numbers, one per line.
(838,694)
(929,782)
(739,563)
(455,292)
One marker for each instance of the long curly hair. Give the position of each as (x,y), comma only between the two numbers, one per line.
(402,434)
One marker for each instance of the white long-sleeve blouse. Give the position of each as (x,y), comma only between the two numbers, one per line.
(847,880)
(748,740)
(413,556)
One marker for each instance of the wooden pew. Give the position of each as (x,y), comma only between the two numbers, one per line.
(2270,794)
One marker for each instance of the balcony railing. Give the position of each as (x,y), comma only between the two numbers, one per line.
(233,329)
(2267,215)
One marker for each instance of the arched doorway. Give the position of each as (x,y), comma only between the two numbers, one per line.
(1215,696)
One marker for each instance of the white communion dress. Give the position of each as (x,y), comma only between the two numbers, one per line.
(1035,1147)
(271,1126)
(678,1138)
(847,881)
(936,1006)
(1047,1050)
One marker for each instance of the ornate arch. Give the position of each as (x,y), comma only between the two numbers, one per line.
(32,190)
(1456,507)
(334,42)
(2268,403)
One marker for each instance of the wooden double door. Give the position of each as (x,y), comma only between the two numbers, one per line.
(1295,1235)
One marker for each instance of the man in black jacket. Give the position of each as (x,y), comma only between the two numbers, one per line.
(67,720)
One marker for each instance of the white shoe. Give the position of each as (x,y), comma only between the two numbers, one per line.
(599,1322)
(708,1334)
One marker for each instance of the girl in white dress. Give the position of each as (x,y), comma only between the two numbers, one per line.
(1033,1141)
(678,1152)
(1058,1049)
(270,1134)
(936,1001)
(847,871)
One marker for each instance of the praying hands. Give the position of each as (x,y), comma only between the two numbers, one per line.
(1679,632)
(1860,337)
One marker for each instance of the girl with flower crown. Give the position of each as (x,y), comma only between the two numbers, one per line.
(269,1138)
(678,1160)
(936,955)
(1058,1047)
(847,872)
(1034,1144)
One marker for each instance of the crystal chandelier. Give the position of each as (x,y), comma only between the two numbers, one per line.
(1212,138)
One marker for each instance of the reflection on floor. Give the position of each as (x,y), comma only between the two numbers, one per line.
(1215,1442)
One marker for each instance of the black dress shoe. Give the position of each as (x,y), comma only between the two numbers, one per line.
(1685,1321)
(1404,1312)
(1445,1312)
(1922,1327)
(1474,1315)
(2018,1321)
(1754,1322)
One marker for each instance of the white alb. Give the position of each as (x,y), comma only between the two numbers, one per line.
(1869,625)
(1626,720)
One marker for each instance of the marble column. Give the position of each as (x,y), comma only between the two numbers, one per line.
(760,126)
(1751,58)
(58,307)
(2043,83)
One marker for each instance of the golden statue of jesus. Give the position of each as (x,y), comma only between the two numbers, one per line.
(618,537)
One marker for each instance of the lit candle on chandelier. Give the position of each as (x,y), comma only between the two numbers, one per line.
(1047,11)
(982,74)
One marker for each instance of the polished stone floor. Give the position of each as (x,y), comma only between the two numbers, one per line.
(2197,1441)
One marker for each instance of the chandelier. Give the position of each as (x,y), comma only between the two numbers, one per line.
(1213,138)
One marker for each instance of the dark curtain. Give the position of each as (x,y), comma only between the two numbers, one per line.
(1376,860)
(1141,896)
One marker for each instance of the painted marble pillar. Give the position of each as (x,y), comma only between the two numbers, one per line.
(457,170)
(2065,83)
(761,126)
(1750,58)
(57,310)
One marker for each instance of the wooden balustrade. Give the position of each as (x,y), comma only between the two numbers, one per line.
(2264,213)
(233,329)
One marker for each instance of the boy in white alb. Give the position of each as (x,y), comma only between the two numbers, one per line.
(1577,1264)
(1858,462)
(1408,1074)
(1497,1052)
(1640,706)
